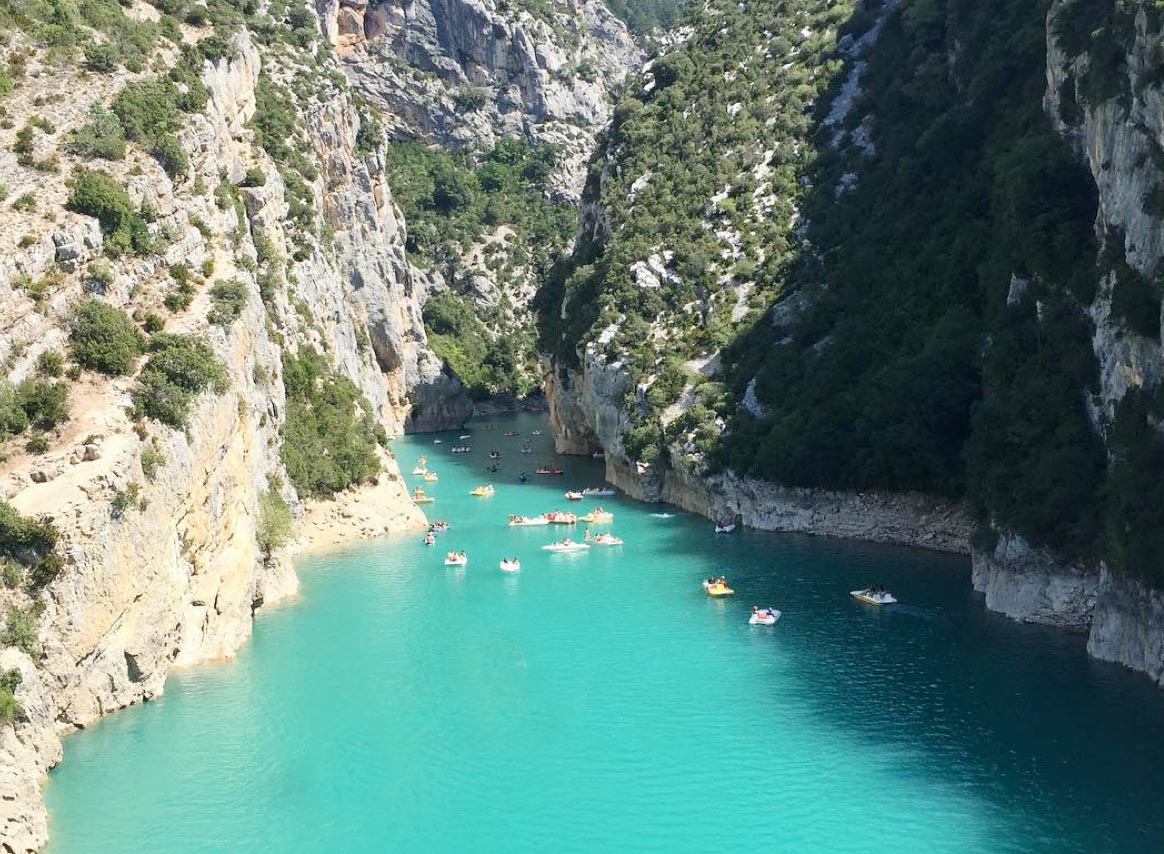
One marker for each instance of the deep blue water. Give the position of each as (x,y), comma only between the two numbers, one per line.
(602,702)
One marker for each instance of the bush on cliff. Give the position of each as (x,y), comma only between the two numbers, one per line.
(180,368)
(329,434)
(10,710)
(105,339)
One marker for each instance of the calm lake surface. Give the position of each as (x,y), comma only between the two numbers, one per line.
(602,702)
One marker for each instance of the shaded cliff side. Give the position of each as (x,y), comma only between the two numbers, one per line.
(899,276)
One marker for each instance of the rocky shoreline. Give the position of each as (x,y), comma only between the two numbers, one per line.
(1123,620)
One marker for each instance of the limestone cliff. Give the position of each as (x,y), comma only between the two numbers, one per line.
(161,563)
(464,73)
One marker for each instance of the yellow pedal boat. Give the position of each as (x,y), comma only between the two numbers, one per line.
(718,589)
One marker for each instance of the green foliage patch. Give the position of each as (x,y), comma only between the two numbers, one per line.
(179,369)
(329,435)
(105,339)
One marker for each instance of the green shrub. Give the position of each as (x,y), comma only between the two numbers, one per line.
(44,403)
(255,177)
(152,460)
(10,710)
(180,368)
(227,300)
(273,525)
(37,444)
(97,194)
(20,629)
(50,363)
(329,435)
(150,112)
(102,58)
(103,338)
(274,120)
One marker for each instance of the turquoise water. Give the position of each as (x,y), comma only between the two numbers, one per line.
(602,702)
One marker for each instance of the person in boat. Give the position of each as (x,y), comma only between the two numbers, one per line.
(524,477)
(586,537)
(755,610)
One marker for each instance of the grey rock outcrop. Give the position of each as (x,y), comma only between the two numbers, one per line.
(464,73)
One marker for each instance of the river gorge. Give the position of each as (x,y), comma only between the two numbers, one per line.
(603,701)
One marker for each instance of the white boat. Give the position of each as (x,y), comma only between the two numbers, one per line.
(565,547)
(597,517)
(437,442)
(453,559)
(593,491)
(724,527)
(466,436)
(482,491)
(663,515)
(598,455)
(430,477)
(873,597)
(764,617)
(557,517)
(429,539)
(511,565)
(573,496)
(420,470)
(519,521)
(606,540)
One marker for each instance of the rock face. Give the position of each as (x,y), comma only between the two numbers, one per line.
(464,73)
(173,575)
(586,416)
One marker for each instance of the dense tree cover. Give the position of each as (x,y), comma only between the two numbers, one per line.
(451,202)
(330,434)
(487,364)
(930,328)
(644,17)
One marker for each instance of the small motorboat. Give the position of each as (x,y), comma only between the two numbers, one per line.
(717,587)
(511,433)
(535,432)
(606,540)
(597,516)
(598,491)
(420,470)
(439,527)
(573,496)
(557,517)
(429,539)
(565,546)
(519,521)
(764,617)
(547,470)
(466,436)
(527,450)
(663,515)
(725,526)
(482,491)
(456,559)
(874,596)
(495,455)
(430,477)
(462,449)
(510,565)
(418,497)
(598,455)
(437,442)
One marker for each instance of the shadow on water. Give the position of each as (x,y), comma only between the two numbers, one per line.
(1017,714)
